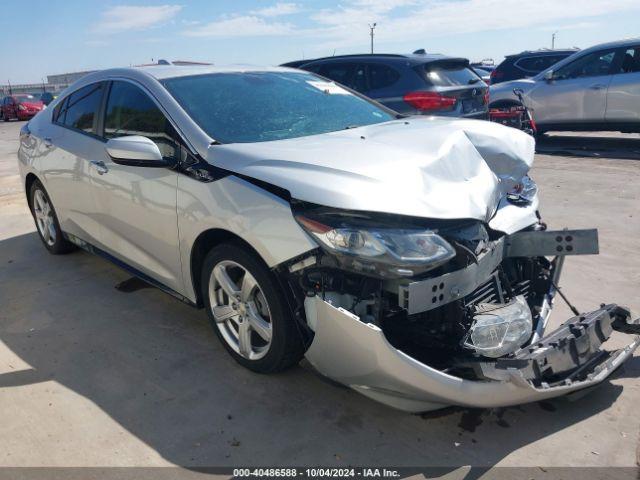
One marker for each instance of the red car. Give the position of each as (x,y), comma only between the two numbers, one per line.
(22,106)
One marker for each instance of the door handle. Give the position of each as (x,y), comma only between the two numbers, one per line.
(100,167)
(597,86)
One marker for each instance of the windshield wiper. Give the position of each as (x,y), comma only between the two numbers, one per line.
(474,80)
(349,127)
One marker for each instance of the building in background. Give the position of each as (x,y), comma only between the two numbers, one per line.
(57,83)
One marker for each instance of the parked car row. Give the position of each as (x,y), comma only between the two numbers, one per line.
(563,89)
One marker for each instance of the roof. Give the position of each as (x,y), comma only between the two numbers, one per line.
(627,42)
(543,51)
(413,58)
(173,62)
(161,72)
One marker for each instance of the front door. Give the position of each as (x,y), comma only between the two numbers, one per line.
(577,93)
(137,205)
(623,96)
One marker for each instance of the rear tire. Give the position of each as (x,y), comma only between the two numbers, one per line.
(47,221)
(248,311)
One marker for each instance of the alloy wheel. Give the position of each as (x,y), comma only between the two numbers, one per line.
(240,310)
(45,219)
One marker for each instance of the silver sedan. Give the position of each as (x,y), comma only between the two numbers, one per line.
(403,256)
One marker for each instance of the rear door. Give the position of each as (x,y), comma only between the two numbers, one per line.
(578,91)
(623,95)
(137,205)
(384,84)
(68,146)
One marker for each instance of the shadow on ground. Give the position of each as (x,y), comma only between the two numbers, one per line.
(583,145)
(154,366)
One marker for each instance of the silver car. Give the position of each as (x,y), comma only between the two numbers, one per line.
(404,257)
(594,89)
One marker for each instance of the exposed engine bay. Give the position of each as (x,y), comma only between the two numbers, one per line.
(479,316)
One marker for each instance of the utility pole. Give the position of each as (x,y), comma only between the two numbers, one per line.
(553,40)
(372,27)
(10,91)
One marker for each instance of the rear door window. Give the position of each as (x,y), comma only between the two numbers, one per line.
(351,75)
(339,72)
(130,111)
(382,76)
(537,64)
(78,111)
(441,76)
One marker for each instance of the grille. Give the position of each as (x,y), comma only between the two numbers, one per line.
(493,291)
(489,292)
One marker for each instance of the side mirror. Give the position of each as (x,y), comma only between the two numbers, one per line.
(135,151)
(548,75)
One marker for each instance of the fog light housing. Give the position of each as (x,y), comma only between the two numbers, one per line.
(500,329)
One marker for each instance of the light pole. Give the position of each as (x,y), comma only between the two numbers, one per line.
(553,40)
(372,27)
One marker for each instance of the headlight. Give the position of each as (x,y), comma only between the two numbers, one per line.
(385,252)
(500,329)
(524,192)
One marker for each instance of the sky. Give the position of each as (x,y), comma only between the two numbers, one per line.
(42,37)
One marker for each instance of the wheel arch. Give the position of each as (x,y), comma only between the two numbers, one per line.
(505,103)
(203,244)
(28,182)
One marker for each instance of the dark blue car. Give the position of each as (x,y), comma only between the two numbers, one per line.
(418,83)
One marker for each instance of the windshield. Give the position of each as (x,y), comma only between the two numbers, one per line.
(264,106)
(26,99)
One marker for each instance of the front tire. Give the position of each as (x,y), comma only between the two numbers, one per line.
(47,221)
(247,310)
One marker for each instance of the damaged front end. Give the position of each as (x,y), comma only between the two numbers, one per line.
(454,314)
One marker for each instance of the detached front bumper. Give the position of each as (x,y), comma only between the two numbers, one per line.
(357,354)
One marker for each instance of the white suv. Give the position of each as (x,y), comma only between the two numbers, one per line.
(404,256)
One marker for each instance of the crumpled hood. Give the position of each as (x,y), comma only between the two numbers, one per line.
(419,166)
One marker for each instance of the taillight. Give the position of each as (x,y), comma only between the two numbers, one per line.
(486,97)
(495,75)
(429,101)
(21,107)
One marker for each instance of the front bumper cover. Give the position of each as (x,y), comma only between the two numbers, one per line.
(357,354)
